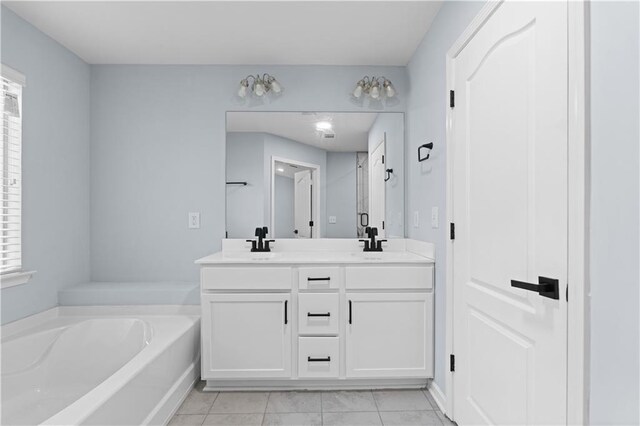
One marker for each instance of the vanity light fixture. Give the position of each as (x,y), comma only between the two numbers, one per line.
(260,85)
(375,87)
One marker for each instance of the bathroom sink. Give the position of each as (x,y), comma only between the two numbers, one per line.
(382,256)
(250,255)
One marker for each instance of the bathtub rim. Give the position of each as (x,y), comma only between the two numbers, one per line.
(86,405)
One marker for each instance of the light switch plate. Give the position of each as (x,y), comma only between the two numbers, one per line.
(194,220)
(332,219)
(416,219)
(434,217)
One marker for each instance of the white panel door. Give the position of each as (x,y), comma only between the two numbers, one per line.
(246,335)
(303,196)
(377,189)
(509,128)
(389,335)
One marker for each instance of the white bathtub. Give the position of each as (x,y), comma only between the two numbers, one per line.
(99,365)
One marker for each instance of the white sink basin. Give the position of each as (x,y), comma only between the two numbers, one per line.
(251,255)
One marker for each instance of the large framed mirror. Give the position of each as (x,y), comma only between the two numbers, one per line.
(315,174)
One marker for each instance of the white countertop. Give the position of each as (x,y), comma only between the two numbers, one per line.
(321,252)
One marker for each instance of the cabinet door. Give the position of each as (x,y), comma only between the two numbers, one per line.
(246,335)
(389,335)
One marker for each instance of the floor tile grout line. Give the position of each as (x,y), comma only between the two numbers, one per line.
(377,408)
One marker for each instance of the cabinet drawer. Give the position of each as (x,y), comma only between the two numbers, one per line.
(319,278)
(246,278)
(389,277)
(318,357)
(318,313)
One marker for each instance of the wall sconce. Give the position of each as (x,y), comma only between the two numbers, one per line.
(428,147)
(375,87)
(260,86)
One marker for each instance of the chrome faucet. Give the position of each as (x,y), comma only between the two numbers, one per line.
(371,244)
(261,245)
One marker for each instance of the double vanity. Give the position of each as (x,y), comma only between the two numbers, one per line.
(317,314)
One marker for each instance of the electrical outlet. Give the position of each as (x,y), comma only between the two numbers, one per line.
(416,219)
(194,220)
(332,219)
(434,217)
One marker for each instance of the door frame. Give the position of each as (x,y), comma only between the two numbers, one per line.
(316,193)
(578,212)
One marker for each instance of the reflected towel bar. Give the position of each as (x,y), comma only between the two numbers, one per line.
(237,183)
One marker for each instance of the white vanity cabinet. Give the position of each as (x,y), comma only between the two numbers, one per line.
(324,320)
(248,335)
(389,335)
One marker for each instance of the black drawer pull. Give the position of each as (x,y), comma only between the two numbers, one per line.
(309,314)
(318,279)
(350,311)
(327,359)
(286,318)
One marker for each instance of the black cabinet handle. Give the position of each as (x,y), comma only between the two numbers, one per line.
(350,311)
(327,359)
(309,314)
(547,287)
(318,279)
(286,319)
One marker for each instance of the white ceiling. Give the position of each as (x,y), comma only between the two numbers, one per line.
(351,128)
(234,32)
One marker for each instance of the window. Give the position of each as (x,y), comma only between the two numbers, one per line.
(11,171)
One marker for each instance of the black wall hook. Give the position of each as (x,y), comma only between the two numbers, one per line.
(389,172)
(428,146)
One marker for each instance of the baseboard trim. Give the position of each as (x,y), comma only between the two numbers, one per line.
(438,396)
(335,384)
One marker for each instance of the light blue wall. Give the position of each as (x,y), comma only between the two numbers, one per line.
(425,122)
(341,195)
(245,153)
(615,281)
(391,126)
(55,161)
(158,152)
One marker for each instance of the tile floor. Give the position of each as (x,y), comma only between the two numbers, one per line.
(386,407)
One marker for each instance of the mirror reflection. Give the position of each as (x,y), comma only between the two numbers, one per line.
(315,174)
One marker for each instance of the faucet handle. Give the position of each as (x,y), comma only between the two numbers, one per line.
(253,244)
(266,244)
(259,232)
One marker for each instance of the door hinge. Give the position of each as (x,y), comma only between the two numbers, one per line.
(452,362)
(383,224)
(452,231)
(452,99)
(567,292)
(383,159)
(311,223)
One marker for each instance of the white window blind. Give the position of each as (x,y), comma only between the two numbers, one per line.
(11,172)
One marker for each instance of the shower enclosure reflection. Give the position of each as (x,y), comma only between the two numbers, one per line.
(315,174)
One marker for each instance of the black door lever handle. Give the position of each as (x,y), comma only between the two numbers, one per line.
(547,287)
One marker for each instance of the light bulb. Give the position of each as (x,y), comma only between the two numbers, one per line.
(375,90)
(258,88)
(275,86)
(389,90)
(242,91)
(357,92)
